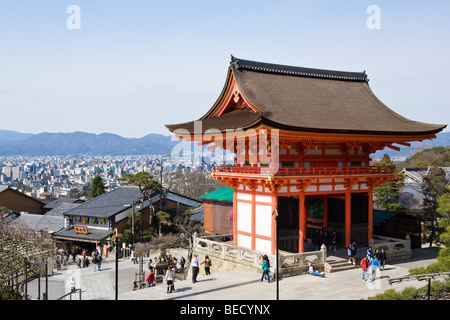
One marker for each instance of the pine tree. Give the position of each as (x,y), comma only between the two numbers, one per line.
(97,187)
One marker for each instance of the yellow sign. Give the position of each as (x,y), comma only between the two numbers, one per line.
(79,229)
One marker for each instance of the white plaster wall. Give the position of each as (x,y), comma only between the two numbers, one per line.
(261,198)
(244,216)
(263,220)
(244,196)
(263,245)
(244,241)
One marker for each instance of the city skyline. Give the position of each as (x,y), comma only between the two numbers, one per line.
(129,69)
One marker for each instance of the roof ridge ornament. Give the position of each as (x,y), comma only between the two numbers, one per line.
(234,62)
(297,71)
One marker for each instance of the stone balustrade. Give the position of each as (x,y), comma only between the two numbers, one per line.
(394,248)
(226,256)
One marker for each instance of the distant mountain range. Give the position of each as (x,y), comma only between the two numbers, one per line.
(442,140)
(82,143)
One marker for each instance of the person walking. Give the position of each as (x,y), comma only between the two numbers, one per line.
(195,269)
(365,265)
(374,265)
(266,267)
(170,278)
(208,264)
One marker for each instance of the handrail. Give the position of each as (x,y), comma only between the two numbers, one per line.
(313,171)
(70,294)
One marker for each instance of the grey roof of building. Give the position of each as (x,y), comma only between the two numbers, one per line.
(107,204)
(55,203)
(62,208)
(93,235)
(39,222)
(197,214)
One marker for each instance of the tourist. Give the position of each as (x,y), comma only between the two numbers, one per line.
(150,278)
(195,267)
(310,269)
(333,240)
(72,285)
(365,265)
(374,265)
(97,261)
(369,252)
(182,262)
(382,258)
(266,267)
(351,251)
(208,264)
(170,278)
(133,257)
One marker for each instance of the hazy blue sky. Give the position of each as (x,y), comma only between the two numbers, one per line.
(137,65)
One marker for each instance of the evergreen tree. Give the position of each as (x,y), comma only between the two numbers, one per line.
(97,187)
(147,185)
(435,183)
(386,195)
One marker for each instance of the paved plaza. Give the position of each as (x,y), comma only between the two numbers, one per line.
(231,285)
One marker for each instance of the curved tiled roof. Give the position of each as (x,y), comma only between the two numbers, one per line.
(306,100)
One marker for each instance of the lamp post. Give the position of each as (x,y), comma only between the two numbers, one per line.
(276,252)
(117,263)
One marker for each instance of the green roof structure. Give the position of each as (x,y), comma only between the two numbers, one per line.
(380,216)
(224,194)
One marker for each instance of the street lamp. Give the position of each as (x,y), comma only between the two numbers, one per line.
(117,262)
(276,252)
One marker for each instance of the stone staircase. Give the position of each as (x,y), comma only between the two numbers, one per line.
(335,264)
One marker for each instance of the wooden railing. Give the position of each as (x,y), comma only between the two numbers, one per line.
(317,171)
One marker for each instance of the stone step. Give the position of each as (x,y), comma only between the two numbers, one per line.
(339,265)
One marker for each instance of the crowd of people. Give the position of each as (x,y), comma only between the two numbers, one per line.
(371,263)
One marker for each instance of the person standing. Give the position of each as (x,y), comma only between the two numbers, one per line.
(170,277)
(207,263)
(374,265)
(382,258)
(195,267)
(150,278)
(97,261)
(365,265)
(333,240)
(352,249)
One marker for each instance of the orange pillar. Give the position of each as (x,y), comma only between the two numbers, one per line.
(301,222)
(348,218)
(370,216)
